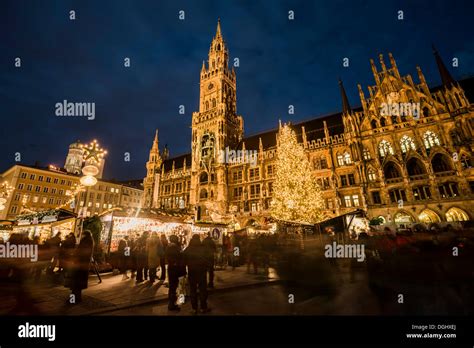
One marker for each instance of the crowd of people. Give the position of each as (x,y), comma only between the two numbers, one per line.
(175,260)
(56,256)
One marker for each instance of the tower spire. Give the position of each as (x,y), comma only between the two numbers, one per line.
(155,140)
(446,77)
(218,31)
(346,108)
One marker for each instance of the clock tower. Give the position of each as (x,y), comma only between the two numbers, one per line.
(214,127)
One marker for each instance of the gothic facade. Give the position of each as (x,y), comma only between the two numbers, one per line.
(405,155)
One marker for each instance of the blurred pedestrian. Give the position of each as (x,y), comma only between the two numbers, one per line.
(161,253)
(175,270)
(209,247)
(196,260)
(123,256)
(80,267)
(152,255)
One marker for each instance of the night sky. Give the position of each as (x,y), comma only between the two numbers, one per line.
(282,62)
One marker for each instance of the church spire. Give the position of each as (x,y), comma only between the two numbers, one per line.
(346,108)
(218,31)
(446,77)
(155,141)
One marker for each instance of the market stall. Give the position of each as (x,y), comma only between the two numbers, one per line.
(45,224)
(119,224)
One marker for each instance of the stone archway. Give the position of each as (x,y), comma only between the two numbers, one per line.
(428,216)
(403,218)
(456,214)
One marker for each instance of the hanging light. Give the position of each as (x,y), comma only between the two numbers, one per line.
(88,180)
(90,170)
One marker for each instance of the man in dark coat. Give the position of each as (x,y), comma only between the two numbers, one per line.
(209,251)
(141,257)
(195,259)
(123,256)
(175,270)
(80,267)
(161,253)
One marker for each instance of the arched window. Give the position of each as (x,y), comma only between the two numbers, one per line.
(203,194)
(371,175)
(366,154)
(391,171)
(441,163)
(385,148)
(430,139)
(203,178)
(347,158)
(456,214)
(415,167)
(214,103)
(426,112)
(407,144)
(207,105)
(383,123)
(373,124)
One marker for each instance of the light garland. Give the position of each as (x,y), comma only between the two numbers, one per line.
(296,195)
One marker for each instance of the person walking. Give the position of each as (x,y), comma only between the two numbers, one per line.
(209,251)
(175,270)
(161,254)
(141,257)
(80,267)
(152,253)
(195,260)
(123,256)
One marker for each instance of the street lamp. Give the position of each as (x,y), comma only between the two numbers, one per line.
(93,155)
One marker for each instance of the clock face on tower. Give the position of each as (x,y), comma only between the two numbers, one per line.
(210,86)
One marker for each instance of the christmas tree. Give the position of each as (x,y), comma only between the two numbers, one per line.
(296,195)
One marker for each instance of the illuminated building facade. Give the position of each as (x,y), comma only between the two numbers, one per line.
(405,155)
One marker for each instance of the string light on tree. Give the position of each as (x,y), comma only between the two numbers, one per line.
(296,195)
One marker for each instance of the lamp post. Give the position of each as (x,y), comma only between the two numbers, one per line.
(93,155)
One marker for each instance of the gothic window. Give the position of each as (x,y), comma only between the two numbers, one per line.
(214,103)
(203,194)
(347,158)
(218,47)
(407,143)
(466,161)
(391,171)
(366,154)
(383,123)
(203,178)
(373,124)
(207,105)
(430,139)
(394,119)
(340,159)
(440,163)
(415,167)
(371,175)
(458,99)
(426,112)
(385,148)
(324,163)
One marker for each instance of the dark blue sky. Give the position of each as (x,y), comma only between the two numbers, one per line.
(282,62)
